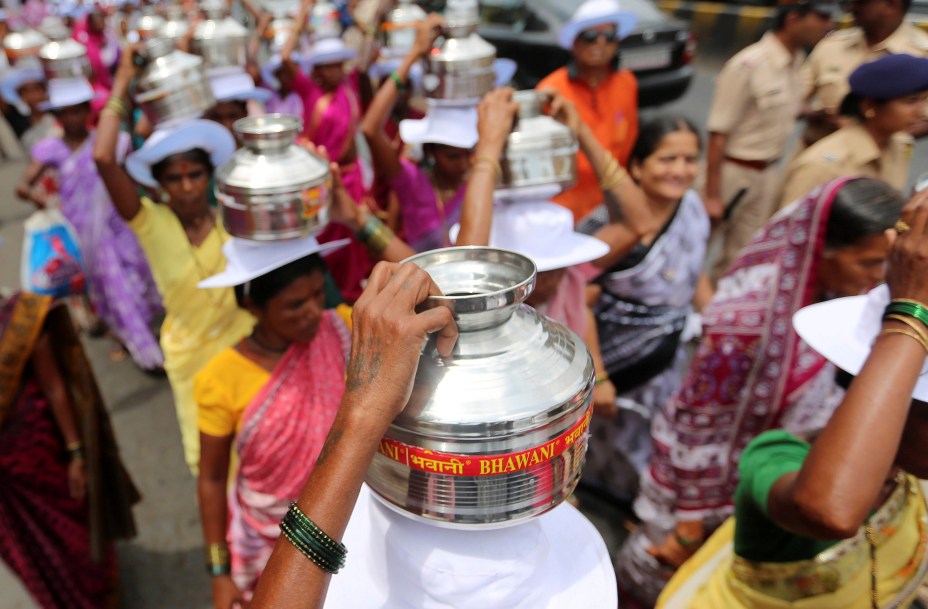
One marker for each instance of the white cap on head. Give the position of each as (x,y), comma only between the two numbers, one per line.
(247,259)
(449,125)
(552,561)
(65,92)
(596,12)
(843,330)
(196,133)
(236,86)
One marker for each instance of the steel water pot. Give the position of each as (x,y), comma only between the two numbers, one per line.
(460,68)
(176,23)
(497,432)
(22,44)
(399,28)
(271,188)
(172,85)
(539,151)
(65,59)
(220,40)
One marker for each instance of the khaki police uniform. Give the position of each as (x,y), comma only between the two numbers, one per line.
(825,74)
(850,151)
(758,96)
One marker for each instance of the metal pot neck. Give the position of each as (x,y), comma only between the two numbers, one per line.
(270,133)
(482,285)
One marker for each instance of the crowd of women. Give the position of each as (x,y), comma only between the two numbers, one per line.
(256,341)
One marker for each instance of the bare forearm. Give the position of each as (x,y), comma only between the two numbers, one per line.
(477,210)
(625,201)
(290,579)
(856,450)
(211,493)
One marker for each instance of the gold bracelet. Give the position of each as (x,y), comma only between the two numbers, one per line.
(117,106)
(380,239)
(913,323)
(491,162)
(113,113)
(906,333)
(601,377)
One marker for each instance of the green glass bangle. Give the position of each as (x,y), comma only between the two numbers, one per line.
(306,550)
(318,533)
(336,560)
(400,85)
(217,569)
(908,308)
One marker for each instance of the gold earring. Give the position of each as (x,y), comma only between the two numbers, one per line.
(870,113)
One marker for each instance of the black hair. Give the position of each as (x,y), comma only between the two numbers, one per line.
(195,155)
(862,208)
(801,9)
(262,289)
(850,106)
(652,132)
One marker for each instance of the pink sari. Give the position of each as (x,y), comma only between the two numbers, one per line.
(751,372)
(331,120)
(103,55)
(282,433)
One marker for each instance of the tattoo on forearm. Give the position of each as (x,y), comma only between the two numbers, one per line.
(334,437)
(364,365)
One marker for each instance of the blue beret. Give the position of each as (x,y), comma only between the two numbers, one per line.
(890,76)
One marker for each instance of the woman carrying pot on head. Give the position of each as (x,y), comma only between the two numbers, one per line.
(840,522)
(887,98)
(25,89)
(649,283)
(103,50)
(751,372)
(271,398)
(120,284)
(181,236)
(66,496)
(331,115)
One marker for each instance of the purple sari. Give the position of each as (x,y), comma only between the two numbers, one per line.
(120,284)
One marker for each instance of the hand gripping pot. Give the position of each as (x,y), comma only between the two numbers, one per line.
(496,433)
(539,151)
(172,86)
(460,69)
(272,189)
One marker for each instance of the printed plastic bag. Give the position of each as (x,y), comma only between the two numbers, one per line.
(51,262)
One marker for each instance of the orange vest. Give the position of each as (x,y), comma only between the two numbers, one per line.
(611,112)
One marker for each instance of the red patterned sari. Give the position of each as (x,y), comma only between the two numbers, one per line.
(751,372)
(282,433)
(58,546)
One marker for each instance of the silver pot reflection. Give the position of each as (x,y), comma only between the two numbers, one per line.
(461,67)
(176,23)
(22,44)
(65,59)
(496,433)
(150,25)
(399,28)
(172,86)
(540,151)
(273,189)
(221,41)
(54,28)
(324,20)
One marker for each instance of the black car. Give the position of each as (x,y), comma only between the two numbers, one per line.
(659,50)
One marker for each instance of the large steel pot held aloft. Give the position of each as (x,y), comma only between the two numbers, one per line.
(496,433)
(461,67)
(172,86)
(65,59)
(273,189)
(539,151)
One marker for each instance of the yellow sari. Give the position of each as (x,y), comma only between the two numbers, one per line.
(837,578)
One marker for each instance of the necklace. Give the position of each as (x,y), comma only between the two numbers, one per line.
(263,346)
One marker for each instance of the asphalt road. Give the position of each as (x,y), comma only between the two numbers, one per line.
(163,567)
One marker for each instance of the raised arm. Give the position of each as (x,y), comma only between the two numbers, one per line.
(286,53)
(629,214)
(495,115)
(119,185)
(385,157)
(387,337)
(857,448)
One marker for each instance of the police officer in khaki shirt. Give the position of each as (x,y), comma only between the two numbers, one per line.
(880,29)
(888,97)
(758,97)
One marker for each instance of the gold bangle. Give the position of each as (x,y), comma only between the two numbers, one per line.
(118,107)
(911,322)
(497,168)
(601,377)
(380,239)
(906,333)
(113,113)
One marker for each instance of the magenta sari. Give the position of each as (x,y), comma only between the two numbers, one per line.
(282,433)
(331,120)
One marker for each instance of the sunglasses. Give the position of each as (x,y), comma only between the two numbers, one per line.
(591,36)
